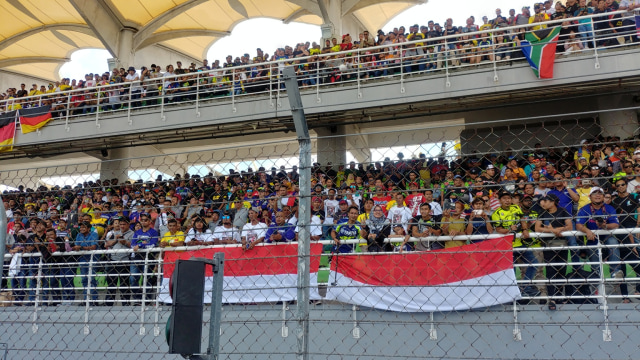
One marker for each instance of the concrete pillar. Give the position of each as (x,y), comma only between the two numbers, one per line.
(331,147)
(114,165)
(125,48)
(621,123)
(340,25)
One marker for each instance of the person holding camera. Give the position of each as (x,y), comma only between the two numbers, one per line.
(508,219)
(118,268)
(554,219)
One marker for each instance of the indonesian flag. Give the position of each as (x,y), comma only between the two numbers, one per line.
(267,273)
(460,278)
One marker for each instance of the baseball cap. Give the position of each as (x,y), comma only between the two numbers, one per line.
(490,167)
(551,197)
(457,177)
(316,199)
(343,202)
(595,189)
(503,193)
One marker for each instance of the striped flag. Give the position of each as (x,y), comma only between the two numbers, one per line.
(267,273)
(539,48)
(460,278)
(32,119)
(7,130)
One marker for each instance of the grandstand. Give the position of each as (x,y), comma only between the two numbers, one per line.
(484,221)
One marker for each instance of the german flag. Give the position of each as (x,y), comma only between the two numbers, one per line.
(7,130)
(32,119)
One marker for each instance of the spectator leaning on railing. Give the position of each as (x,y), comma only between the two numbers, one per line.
(352,203)
(250,75)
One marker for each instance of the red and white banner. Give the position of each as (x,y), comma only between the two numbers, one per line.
(466,277)
(266,273)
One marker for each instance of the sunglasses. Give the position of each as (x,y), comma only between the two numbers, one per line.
(226,217)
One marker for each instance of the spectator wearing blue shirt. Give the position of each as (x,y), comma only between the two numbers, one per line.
(349,230)
(599,216)
(280,231)
(87,240)
(566,199)
(144,238)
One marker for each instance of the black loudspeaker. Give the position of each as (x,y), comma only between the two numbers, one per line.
(187,293)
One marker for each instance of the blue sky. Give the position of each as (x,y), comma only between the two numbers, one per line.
(275,34)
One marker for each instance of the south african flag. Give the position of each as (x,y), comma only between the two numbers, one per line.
(539,48)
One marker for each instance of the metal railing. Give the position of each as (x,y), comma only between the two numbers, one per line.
(389,62)
(37,282)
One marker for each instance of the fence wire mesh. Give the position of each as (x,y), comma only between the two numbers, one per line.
(461,241)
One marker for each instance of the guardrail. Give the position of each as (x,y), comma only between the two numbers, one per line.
(389,62)
(35,282)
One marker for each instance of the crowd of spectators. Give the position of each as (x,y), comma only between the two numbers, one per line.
(592,187)
(315,62)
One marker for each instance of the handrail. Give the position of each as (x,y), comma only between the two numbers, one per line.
(624,231)
(276,64)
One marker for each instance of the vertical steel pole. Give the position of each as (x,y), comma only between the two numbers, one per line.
(304,213)
(216,307)
(3,233)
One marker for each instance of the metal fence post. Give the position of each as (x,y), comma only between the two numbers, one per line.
(215,312)
(304,209)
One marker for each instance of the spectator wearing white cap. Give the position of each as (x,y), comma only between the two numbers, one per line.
(599,216)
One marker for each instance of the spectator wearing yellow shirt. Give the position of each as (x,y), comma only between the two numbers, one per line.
(539,17)
(34,90)
(174,237)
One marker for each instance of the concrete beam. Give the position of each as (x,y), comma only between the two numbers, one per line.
(30,60)
(310,5)
(148,29)
(81,28)
(296,14)
(349,6)
(176,34)
(102,20)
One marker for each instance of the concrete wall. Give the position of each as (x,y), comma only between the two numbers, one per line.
(255,332)
(13,80)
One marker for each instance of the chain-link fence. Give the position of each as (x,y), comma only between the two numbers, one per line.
(463,240)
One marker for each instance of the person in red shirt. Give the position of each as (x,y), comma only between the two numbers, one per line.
(381,196)
(414,199)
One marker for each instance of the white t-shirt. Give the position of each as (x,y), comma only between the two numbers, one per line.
(135,85)
(254,232)
(399,215)
(223,233)
(330,208)
(436,209)
(315,228)
(541,192)
(633,186)
(205,236)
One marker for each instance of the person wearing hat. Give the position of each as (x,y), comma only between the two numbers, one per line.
(599,216)
(135,88)
(86,240)
(555,220)
(508,218)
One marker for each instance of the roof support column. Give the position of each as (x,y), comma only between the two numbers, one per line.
(339,25)
(125,48)
(621,123)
